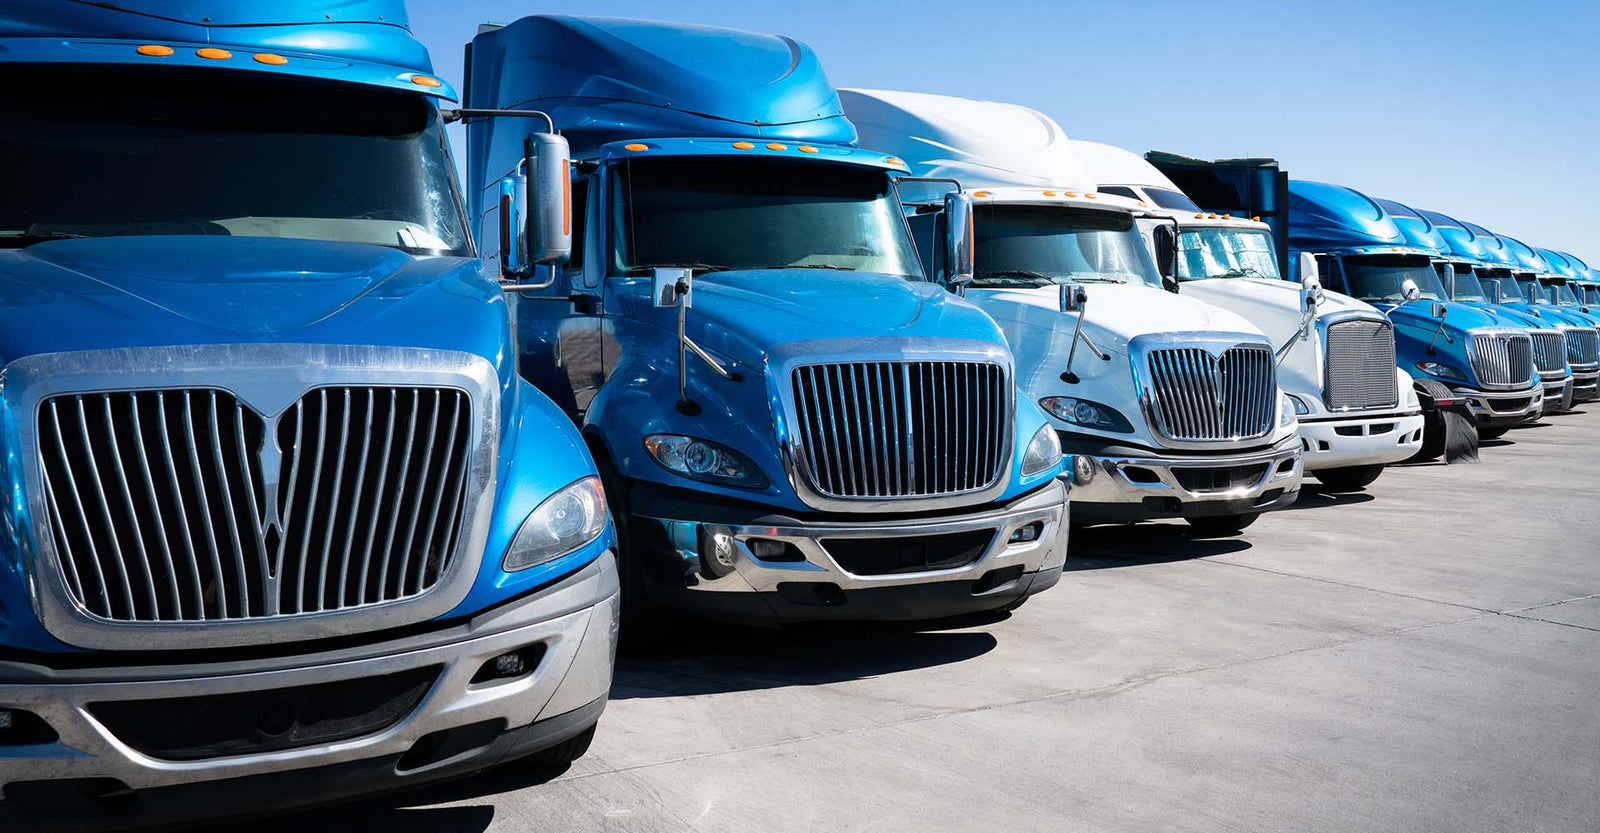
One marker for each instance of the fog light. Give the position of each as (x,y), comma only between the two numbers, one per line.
(1026,533)
(510,665)
(716,550)
(1082,470)
(768,550)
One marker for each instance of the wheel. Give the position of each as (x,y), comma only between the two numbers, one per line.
(1488,433)
(1348,478)
(1218,526)
(563,753)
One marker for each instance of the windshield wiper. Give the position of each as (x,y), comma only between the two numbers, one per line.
(21,239)
(698,267)
(1019,273)
(814,266)
(1245,272)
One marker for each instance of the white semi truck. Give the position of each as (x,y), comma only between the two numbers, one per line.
(1170,404)
(1357,410)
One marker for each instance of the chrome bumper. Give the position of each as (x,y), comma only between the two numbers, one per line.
(1497,408)
(576,621)
(1127,488)
(751,574)
(1585,385)
(1360,441)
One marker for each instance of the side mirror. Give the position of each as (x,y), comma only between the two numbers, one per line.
(1409,290)
(1073,297)
(1310,279)
(958,264)
(1169,283)
(547,238)
(668,284)
(1166,248)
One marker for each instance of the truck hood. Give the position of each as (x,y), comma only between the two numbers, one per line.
(740,314)
(1272,305)
(1117,313)
(1417,316)
(169,290)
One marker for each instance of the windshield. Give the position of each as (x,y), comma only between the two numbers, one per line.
(1510,292)
(1530,289)
(1561,292)
(1174,200)
(752,213)
(145,151)
(1382,279)
(1026,245)
(1591,295)
(1225,253)
(1467,286)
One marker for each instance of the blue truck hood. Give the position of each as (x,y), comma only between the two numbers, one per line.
(741,313)
(135,291)
(1459,317)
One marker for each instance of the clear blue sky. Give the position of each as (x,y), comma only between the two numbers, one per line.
(1482,110)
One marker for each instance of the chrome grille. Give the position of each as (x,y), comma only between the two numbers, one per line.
(186,505)
(1198,396)
(1583,346)
(1549,352)
(1502,359)
(1359,365)
(902,429)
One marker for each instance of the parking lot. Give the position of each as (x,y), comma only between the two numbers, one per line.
(1424,656)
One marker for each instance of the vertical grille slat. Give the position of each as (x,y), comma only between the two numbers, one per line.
(161,508)
(1583,346)
(898,429)
(1502,359)
(1196,396)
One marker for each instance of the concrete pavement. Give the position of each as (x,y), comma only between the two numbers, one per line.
(1422,656)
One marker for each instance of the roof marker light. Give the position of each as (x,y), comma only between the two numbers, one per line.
(212,53)
(1211,216)
(154,50)
(777,146)
(1199,216)
(895,160)
(1141,204)
(426,81)
(1049,193)
(743,145)
(807,149)
(270,59)
(1256,218)
(1089,195)
(1069,193)
(980,193)
(636,146)
(1227,216)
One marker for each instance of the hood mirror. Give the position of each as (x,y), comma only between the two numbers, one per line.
(1409,290)
(1439,309)
(1073,297)
(668,286)
(673,288)
(958,263)
(1311,279)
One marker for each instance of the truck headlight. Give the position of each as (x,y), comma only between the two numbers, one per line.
(1044,451)
(1286,410)
(704,460)
(1443,371)
(1086,413)
(565,521)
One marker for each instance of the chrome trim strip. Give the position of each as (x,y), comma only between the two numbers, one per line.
(268,378)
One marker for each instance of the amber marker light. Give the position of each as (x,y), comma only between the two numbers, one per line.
(212,53)
(154,50)
(807,149)
(980,193)
(743,145)
(895,160)
(777,146)
(1049,193)
(270,59)
(426,81)
(636,147)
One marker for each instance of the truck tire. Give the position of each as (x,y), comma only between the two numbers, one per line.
(1221,526)
(1348,478)
(562,754)
(1487,433)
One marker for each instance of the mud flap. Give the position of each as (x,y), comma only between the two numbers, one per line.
(1450,430)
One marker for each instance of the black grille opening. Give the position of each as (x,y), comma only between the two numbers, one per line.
(891,556)
(438,747)
(21,728)
(159,507)
(1506,406)
(1220,479)
(214,726)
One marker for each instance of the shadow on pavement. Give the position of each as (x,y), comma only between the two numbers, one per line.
(389,814)
(1104,547)
(715,658)
(1313,496)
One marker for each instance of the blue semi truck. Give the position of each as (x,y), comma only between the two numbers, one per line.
(1476,277)
(282,525)
(792,423)
(1549,342)
(1362,253)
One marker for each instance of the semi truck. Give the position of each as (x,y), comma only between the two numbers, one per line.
(1169,406)
(792,424)
(1474,277)
(1362,253)
(1563,285)
(1549,342)
(283,524)
(1357,410)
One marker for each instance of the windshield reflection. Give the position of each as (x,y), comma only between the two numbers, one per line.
(1225,253)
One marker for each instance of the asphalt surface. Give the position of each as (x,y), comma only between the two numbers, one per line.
(1424,656)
